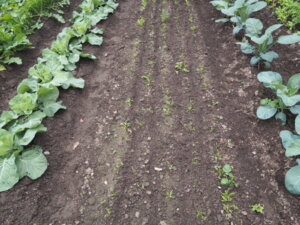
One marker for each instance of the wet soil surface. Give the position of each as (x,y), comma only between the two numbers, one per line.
(140,143)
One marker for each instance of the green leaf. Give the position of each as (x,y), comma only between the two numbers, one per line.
(292,180)
(6,117)
(66,79)
(254,26)
(272,28)
(265,112)
(269,56)
(48,93)
(16,60)
(291,143)
(6,142)
(222,20)
(87,55)
(246,48)
(51,108)
(294,81)
(23,104)
(2,68)
(41,72)
(297,124)
(281,116)
(24,138)
(32,163)
(288,39)
(93,39)
(295,109)
(8,173)
(32,121)
(227,168)
(28,85)
(97,31)
(256,7)
(254,60)
(269,78)
(288,100)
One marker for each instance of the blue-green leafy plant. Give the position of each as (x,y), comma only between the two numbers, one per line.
(37,96)
(239,12)
(261,44)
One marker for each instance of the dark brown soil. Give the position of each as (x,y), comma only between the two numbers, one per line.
(145,161)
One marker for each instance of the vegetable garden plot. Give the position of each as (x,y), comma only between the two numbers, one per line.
(164,131)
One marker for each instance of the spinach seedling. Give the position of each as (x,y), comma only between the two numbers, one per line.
(226,176)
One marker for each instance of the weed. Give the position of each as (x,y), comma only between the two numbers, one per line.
(226,196)
(226,176)
(151,62)
(141,21)
(144,4)
(258,208)
(139,123)
(200,215)
(129,101)
(170,166)
(182,67)
(195,161)
(147,78)
(229,208)
(108,212)
(164,16)
(215,103)
(191,19)
(193,28)
(201,70)
(167,111)
(169,194)
(190,126)
(126,125)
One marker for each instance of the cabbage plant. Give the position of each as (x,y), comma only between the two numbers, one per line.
(239,12)
(260,45)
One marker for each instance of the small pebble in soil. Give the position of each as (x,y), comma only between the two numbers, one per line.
(137,214)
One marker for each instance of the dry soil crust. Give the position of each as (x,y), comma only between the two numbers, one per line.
(140,143)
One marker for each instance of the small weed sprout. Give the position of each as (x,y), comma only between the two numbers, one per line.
(258,208)
(141,21)
(226,176)
(226,196)
(129,101)
(169,194)
(182,67)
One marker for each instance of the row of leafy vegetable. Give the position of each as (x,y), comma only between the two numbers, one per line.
(20,18)
(37,96)
(258,42)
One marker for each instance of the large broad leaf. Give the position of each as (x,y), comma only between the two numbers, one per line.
(256,7)
(41,72)
(32,163)
(288,100)
(269,56)
(295,109)
(66,79)
(265,112)
(6,117)
(6,142)
(268,78)
(24,138)
(28,85)
(23,104)
(48,93)
(294,81)
(292,180)
(32,121)
(297,124)
(246,48)
(290,142)
(94,39)
(272,28)
(288,39)
(8,173)
(253,26)
(50,108)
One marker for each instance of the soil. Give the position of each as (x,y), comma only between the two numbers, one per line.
(140,143)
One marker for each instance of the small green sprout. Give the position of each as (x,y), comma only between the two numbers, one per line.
(258,208)
(226,196)
(169,194)
(129,101)
(147,78)
(182,67)
(126,125)
(141,21)
(201,70)
(193,28)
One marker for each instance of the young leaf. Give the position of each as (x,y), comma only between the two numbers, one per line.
(281,116)
(268,78)
(269,56)
(253,26)
(294,81)
(8,173)
(93,39)
(23,104)
(297,124)
(295,109)
(24,138)
(6,117)
(265,112)
(32,163)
